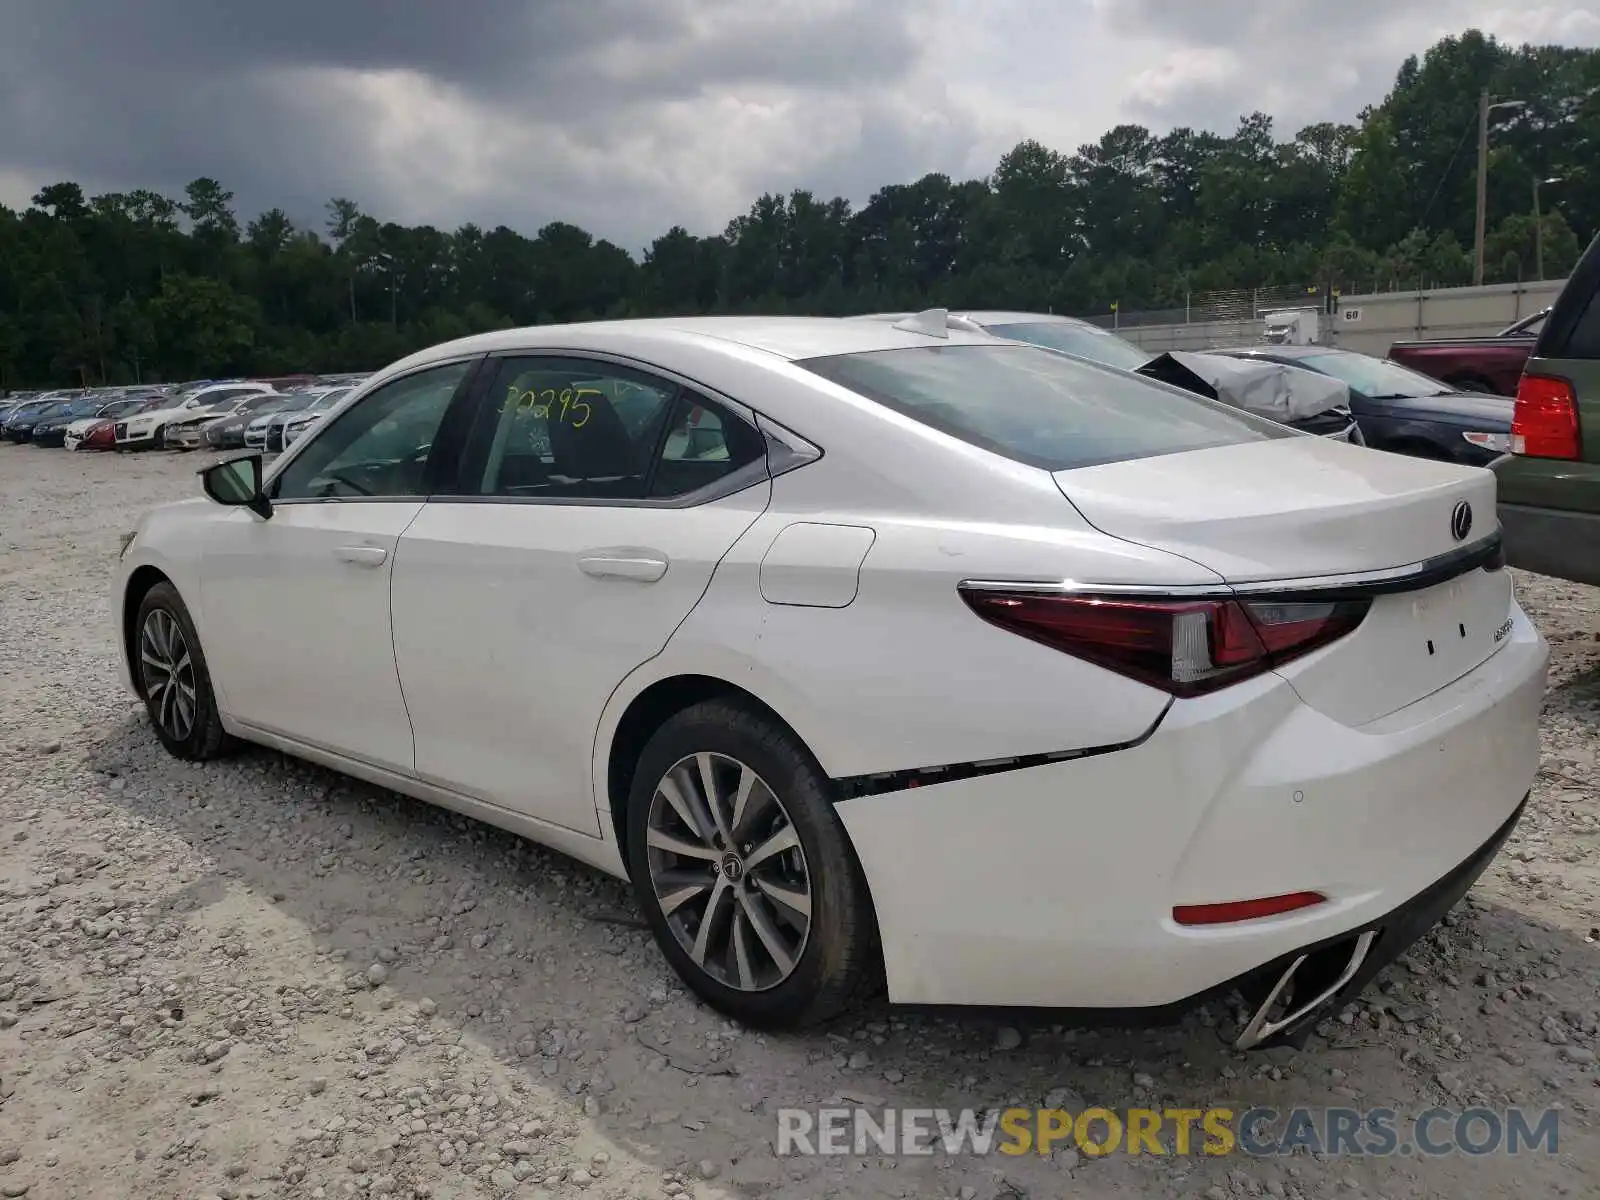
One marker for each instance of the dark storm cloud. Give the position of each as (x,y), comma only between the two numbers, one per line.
(459,41)
(154,93)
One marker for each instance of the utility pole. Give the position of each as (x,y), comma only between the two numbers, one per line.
(1483,186)
(1538,234)
(1484,109)
(1538,223)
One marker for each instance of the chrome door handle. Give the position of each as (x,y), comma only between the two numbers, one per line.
(362,556)
(642,565)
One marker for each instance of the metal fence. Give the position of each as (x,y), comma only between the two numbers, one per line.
(1233,304)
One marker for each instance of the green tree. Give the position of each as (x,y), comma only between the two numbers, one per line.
(201,325)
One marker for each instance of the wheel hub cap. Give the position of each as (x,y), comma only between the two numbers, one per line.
(167,671)
(728,872)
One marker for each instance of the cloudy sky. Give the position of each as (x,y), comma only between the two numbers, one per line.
(626,116)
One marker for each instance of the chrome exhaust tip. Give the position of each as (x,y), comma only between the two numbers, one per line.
(1260,1028)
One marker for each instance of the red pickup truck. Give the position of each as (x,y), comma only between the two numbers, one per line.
(1482,364)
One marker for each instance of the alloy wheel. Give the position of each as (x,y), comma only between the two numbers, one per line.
(728,872)
(167,668)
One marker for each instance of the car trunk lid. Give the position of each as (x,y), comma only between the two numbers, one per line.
(1306,516)
(1286,508)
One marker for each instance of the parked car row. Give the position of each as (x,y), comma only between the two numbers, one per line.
(213,414)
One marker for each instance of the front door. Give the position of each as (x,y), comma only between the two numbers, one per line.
(597,502)
(296,607)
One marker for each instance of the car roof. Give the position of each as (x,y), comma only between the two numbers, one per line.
(1006,317)
(990,316)
(786,338)
(1282,351)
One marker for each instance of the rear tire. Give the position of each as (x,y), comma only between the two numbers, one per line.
(1473,383)
(169,670)
(750,885)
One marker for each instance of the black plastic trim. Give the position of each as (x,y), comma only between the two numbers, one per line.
(851,787)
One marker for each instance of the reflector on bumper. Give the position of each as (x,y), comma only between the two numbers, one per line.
(1244,910)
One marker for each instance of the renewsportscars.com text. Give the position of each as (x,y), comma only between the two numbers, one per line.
(1257,1132)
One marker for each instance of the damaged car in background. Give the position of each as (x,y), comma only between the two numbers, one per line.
(1315,404)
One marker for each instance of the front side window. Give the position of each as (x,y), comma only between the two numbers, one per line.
(378,448)
(1041,408)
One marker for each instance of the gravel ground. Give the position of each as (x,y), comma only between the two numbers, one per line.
(257,978)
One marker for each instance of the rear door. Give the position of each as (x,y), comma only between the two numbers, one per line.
(595,501)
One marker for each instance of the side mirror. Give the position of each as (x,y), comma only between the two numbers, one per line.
(237,484)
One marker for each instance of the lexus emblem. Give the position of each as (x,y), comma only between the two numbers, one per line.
(1461,520)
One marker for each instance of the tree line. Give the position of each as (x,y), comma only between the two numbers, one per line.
(137,286)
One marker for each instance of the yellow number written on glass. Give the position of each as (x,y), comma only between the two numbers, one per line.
(567,405)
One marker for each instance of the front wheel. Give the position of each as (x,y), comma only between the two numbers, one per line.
(744,871)
(170,671)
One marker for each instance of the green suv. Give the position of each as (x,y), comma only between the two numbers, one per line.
(1549,485)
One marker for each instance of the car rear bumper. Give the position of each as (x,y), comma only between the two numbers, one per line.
(1552,541)
(1053,886)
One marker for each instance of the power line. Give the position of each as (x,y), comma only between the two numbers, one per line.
(1450,166)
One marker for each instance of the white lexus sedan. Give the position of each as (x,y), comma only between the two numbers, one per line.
(878,652)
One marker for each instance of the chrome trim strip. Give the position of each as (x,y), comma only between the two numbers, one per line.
(1260,1029)
(1390,579)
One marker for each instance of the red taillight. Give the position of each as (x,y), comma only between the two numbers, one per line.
(1185,647)
(1244,910)
(1544,423)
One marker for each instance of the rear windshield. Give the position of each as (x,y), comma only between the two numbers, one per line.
(1039,407)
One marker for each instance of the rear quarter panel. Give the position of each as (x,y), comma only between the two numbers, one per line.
(904,675)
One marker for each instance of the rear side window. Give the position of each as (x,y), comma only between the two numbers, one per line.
(576,429)
(1584,341)
(1039,407)
(1573,328)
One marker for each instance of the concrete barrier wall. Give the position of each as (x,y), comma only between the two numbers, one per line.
(1371,324)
